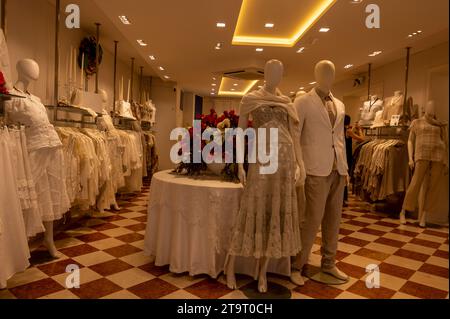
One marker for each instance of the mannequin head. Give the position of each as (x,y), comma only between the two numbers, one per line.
(104,96)
(28,71)
(325,74)
(273,73)
(430,109)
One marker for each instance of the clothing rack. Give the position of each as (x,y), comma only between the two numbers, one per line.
(123,123)
(387,132)
(70,122)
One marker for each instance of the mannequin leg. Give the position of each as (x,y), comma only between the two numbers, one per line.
(431,190)
(229,272)
(330,227)
(316,192)
(410,201)
(262,278)
(48,240)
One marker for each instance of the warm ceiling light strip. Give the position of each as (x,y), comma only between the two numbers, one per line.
(304,26)
(247,88)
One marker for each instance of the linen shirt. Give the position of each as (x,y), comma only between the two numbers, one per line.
(428,141)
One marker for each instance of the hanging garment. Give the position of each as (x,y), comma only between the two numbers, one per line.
(5,64)
(267,224)
(14,251)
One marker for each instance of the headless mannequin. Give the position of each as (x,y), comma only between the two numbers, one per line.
(299,94)
(324,76)
(28,71)
(369,110)
(273,76)
(419,178)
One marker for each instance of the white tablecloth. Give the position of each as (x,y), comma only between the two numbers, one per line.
(190,221)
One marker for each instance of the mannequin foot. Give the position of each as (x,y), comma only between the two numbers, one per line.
(335,272)
(422,224)
(50,245)
(297,278)
(403,218)
(262,284)
(231,281)
(116,207)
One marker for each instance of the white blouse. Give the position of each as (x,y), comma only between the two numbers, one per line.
(30,111)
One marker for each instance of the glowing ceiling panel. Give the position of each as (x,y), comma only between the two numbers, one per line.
(233,87)
(291,19)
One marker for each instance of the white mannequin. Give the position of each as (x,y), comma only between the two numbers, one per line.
(319,172)
(273,76)
(430,111)
(299,94)
(28,71)
(369,110)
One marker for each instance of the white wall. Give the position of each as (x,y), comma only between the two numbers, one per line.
(165,99)
(220,104)
(30,34)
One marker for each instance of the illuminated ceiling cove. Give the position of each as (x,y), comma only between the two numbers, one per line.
(290,20)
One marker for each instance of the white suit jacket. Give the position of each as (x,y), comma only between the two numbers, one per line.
(320,141)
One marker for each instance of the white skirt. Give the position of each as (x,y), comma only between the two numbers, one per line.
(47,166)
(14,251)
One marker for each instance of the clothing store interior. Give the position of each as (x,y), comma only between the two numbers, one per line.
(121,177)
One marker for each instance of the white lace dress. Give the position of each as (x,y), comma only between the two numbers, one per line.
(267,224)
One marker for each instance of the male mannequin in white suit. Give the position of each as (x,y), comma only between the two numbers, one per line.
(322,141)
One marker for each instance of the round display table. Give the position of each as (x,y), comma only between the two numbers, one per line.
(190,221)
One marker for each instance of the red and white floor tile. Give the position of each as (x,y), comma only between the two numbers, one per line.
(108,248)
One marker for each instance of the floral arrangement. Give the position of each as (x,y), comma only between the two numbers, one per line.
(3,89)
(88,47)
(229,119)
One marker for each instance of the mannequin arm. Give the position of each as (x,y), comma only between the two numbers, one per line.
(243,124)
(297,136)
(300,171)
(411,142)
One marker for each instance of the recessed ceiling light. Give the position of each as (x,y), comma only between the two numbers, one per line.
(292,92)
(420,31)
(269,25)
(124,20)
(141,43)
(259,49)
(356,1)
(233,89)
(152,57)
(212,93)
(161,68)
(166,77)
(323,30)
(214,79)
(214,84)
(218,46)
(348,66)
(235,84)
(300,50)
(414,33)
(301,88)
(312,83)
(221,24)
(375,53)
(410,36)
(259,86)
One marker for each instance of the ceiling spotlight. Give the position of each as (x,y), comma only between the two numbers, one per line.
(300,50)
(301,88)
(312,83)
(152,57)
(214,79)
(259,86)
(212,93)
(323,30)
(218,46)
(141,43)
(269,25)
(124,20)
(221,25)
(356,1)
(233,89)
(235,84)
(410,36)
(375,53)
(420,31)
(414,33)
(166,77)
(161,68)
(348,66)
(259,49)
(214,84)
(292,92)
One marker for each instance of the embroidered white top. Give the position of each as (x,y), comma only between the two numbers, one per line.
(30,111)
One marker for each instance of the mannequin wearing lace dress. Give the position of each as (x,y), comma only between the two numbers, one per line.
(268,223)
(44,148)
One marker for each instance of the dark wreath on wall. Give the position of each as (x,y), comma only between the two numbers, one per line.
(88,46)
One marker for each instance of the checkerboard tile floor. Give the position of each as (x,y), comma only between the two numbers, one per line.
(109,251)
